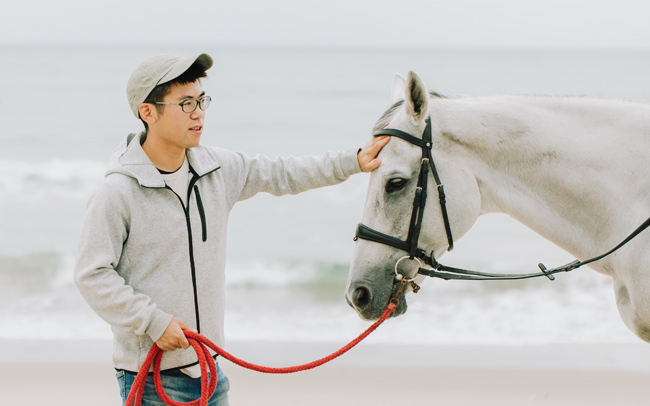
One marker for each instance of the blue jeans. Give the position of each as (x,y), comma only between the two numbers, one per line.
(178,386)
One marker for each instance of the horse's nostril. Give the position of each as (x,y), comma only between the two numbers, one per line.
(361,297)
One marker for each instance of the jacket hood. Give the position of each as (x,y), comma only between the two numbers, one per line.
(129,159)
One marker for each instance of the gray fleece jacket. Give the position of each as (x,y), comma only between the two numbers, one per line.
(143,257)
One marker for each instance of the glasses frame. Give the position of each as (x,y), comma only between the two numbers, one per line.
(197,104)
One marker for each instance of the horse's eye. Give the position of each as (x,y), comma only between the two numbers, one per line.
(395,185)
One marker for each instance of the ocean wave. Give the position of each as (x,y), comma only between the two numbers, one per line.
(70,177)
(44,270)
(292,301)
(279,274)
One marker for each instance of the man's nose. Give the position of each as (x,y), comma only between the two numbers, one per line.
(197,114)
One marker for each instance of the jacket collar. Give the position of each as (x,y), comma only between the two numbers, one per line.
(135,161)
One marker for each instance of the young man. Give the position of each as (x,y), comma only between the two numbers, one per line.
(151,257)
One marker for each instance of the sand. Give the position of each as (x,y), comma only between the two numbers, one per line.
(369,375)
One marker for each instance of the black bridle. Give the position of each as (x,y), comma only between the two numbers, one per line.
(410,245)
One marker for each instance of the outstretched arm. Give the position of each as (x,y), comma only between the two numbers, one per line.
(367,157)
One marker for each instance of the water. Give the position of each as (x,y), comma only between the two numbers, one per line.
(63,111)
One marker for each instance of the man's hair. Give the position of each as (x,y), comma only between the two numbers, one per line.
(191,75)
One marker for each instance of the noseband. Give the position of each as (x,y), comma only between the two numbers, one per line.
(410,245)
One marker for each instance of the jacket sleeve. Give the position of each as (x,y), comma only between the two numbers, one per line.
(287,175)
(104,231)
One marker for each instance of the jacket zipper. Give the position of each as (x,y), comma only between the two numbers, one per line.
(192,266)
(186,210)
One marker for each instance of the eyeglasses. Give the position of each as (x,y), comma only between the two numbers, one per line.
(190,105)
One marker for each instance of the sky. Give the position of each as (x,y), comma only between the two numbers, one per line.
(555,24)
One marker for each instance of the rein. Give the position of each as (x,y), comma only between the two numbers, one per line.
(410,245)
(209,381)
(447,272)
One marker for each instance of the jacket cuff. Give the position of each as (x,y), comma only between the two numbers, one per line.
(350,162)
(158,324)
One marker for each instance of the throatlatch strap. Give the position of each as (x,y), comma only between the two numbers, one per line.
(443,204)
(428,140)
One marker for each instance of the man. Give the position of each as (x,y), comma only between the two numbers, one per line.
(151,258)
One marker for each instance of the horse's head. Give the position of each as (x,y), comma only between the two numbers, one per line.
(391,194)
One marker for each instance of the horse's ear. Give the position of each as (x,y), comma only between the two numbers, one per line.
(399,87)
(417,97)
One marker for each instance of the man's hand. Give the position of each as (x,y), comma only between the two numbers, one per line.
(367,157)
(173,337)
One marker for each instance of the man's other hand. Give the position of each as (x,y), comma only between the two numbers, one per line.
(367,157)
(173,338)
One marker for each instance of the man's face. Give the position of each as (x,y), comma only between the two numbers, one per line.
(174,126)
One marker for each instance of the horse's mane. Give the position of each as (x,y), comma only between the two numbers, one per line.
(384,120)
(586,96)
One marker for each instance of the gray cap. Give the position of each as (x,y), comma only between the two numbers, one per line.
(157,70)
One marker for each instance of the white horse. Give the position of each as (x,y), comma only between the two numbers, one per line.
(573,169)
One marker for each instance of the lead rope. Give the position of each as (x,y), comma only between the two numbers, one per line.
(209,383)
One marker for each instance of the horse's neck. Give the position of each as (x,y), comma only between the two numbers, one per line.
(573,169)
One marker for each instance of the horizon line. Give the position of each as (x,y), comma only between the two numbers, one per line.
(325,47)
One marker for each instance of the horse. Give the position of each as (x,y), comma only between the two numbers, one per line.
(574,169)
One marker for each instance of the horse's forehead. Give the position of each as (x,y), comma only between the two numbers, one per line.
(397,118)
(402,121)
(398,159)
(386,118)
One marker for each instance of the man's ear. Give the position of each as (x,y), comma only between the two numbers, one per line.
(148,113)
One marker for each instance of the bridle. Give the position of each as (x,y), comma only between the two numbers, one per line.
(410,245)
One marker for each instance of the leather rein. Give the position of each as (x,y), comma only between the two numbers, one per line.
(410,245)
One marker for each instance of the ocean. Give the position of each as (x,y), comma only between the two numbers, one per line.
(63,111)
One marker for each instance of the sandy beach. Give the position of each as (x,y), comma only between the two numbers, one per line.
(336,385)
(79,373)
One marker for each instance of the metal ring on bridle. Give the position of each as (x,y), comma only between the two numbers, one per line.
(399,276)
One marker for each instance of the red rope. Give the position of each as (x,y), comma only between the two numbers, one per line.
(208,385)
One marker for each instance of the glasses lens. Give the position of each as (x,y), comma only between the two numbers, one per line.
(205,102)
(189,105)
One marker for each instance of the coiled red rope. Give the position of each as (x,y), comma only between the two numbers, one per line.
(209,384)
